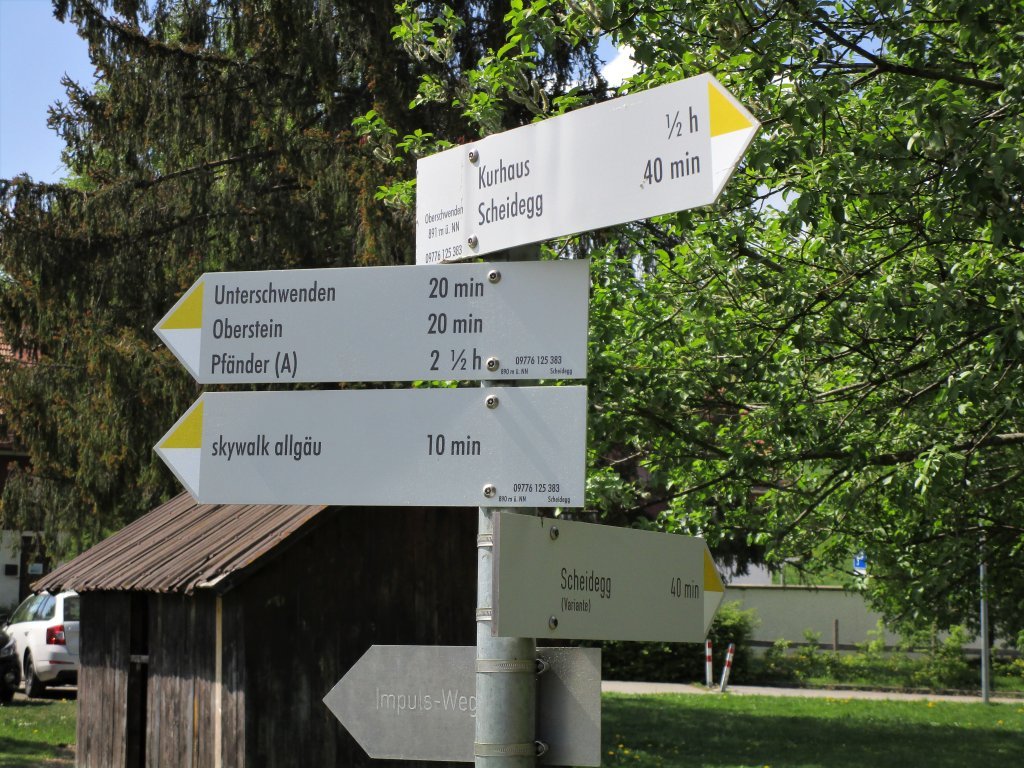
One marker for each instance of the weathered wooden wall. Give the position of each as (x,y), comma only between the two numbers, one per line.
(290,630)
(103,680)
(233,689)
(179,705)
(146,686)
(380,576)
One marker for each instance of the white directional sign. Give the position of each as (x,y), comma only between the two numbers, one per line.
(419,703)
(653,152)
(477,321)
(571,580)
(509,447)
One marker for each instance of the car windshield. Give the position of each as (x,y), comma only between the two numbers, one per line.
(45,608)
(26,609)
(71,608)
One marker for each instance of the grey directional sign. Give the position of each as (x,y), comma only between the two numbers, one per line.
(503,446)
(419,703)
(651,152)
(570,580)
(516,320)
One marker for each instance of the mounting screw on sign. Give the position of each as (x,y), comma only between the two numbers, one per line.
(471,241)
(492,401)
(492,363)
(489,491)
(553,623)
(554,532)
(494,276)
(473,155)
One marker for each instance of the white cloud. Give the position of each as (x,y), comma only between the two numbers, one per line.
(620,68)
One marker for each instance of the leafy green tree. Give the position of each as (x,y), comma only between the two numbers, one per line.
(830,358)
(836,348)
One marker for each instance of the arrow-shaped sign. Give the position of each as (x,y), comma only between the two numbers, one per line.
(666,149)
(419,703)
(571,580)
(509,447)
(477,321)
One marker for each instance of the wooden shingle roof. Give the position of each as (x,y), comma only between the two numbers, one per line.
(181,546)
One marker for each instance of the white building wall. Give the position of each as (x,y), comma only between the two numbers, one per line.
(10,554)
(787,612)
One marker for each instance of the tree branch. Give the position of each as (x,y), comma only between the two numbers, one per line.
(892,458)
(884,65)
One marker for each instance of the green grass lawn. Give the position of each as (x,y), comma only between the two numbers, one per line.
(759,731)
(37,732)
(697,731)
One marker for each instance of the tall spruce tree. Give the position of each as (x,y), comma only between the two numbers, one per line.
(219,136)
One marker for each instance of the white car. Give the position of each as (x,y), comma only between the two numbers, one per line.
(45,630)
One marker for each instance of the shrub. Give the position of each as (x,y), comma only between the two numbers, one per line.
(943,665)
(1009,667)
(946,666)
(774,667)
(683,662)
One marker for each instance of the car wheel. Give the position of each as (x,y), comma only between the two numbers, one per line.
(33,685)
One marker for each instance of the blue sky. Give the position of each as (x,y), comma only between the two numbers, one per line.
(35,52)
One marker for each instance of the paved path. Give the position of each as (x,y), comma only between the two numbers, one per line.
(812,693)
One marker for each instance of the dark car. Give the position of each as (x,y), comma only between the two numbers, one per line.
(9,668)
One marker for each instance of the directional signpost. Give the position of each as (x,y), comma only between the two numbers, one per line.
(649,153)
(580,581)
(522,446)
(419,703)
(476,321)
(658,151)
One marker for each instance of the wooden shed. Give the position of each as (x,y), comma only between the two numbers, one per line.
(211,633)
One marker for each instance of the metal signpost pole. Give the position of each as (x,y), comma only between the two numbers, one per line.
(506,667)
(505,674)
(985,650)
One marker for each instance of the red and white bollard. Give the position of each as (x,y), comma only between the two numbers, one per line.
(728,667)
(708,673)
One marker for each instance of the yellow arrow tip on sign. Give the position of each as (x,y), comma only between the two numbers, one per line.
(188,313)
(188,433)
(714,590)
(712,581)
(725,116)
